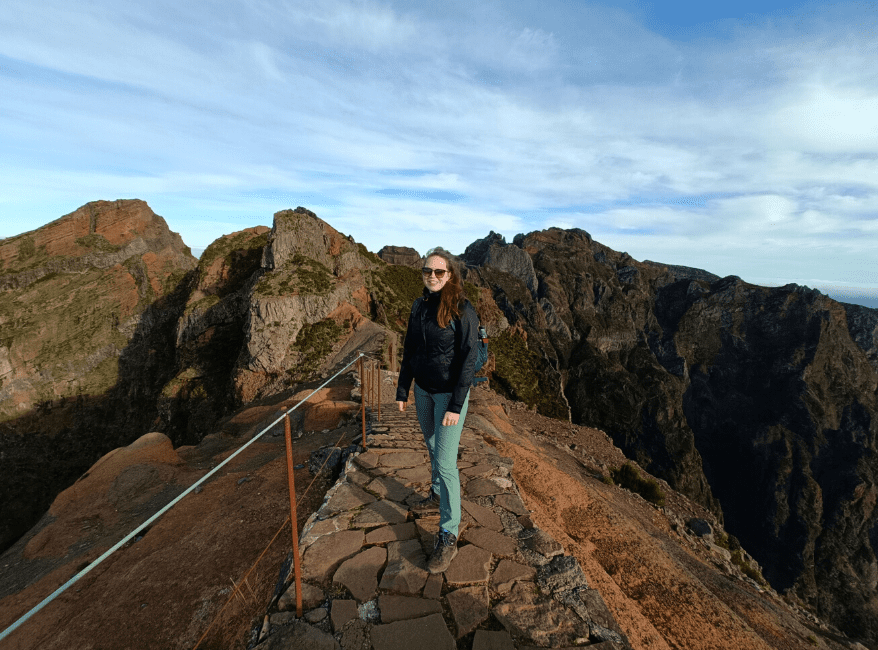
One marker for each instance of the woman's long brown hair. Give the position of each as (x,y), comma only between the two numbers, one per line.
(451,296)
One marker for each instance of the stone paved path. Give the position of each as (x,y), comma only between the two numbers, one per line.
(364,558)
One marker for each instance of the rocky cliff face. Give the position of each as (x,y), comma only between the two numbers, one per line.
(86,306)
(110,330)
(760,404)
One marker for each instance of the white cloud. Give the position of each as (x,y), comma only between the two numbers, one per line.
(719,149)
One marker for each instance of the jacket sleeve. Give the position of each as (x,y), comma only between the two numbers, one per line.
(469,351)
(405,368)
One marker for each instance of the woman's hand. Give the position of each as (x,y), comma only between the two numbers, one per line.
(450,419)
(402,405)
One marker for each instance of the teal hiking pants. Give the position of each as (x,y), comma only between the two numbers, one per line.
(442,443)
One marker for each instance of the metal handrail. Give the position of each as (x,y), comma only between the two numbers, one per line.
(130,535)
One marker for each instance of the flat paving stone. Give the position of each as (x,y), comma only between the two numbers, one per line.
(348,497)
(343,610)
(479,471)
(489,640)
(427,528)
(512,503)
(431,633)
(360,573)
(415,474)
(367,460)
(394,533)
(323,527)
(327,553)
(433,588)
(484,516)
(508,573)
(482,487)
(358,476)
(389,487)
(469,608)
(406,570)
(380,513)
(403,459)
(471,564)
(401,608)
(497,543)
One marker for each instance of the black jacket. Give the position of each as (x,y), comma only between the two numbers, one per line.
(440,360)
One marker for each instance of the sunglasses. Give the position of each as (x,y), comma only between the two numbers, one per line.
(427,271)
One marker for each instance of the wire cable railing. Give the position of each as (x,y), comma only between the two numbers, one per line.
(364,397)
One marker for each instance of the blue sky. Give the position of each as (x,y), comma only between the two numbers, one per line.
(740,138)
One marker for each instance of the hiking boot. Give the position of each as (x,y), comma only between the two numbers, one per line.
(428,504)
(444,550)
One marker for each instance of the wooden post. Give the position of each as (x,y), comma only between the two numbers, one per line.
(297,567)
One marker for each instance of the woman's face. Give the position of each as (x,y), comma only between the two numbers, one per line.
(435,263)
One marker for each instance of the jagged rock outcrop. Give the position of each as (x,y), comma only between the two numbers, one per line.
(86,308)
(309,270)
(401,255)
(760,404)
(210,335)
(492,251)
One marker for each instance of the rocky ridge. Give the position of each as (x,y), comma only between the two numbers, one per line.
(759,403)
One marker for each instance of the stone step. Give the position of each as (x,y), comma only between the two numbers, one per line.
(364,561)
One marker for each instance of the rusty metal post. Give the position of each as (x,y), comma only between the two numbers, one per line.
(297,566)
(378,387)
(362,399)
(372,387)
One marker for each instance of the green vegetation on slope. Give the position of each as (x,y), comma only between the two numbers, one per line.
(313,343)
(520,373)
(97,242)
(629,478)
(242,254)
(396,288)
(299,275)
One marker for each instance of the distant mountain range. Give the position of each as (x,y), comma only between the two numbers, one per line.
(758,403)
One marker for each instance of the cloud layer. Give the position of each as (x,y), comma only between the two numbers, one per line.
(746,146)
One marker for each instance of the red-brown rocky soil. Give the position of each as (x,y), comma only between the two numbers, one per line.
(166,588)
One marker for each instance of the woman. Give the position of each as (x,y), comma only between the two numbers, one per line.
(440,357)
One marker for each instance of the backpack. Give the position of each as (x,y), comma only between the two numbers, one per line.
(482,351)
(482,345)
